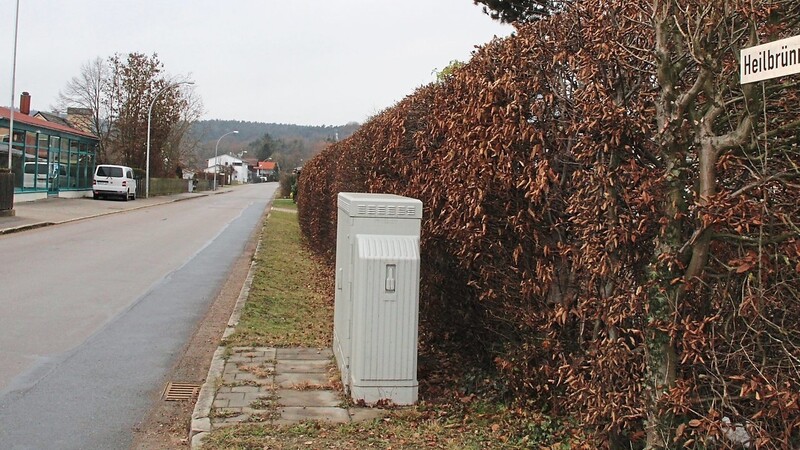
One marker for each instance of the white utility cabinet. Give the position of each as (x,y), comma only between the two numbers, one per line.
(376,313)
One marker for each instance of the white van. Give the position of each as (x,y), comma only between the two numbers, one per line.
(111,180)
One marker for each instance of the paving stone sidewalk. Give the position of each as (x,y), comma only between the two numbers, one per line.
(282,386)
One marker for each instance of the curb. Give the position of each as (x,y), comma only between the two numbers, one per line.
(31,226)
(201,422)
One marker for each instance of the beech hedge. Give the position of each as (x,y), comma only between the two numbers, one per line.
(610,219)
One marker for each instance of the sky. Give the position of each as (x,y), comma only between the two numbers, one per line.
(305,62)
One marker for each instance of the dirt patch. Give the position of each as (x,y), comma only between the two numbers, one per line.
(167,424)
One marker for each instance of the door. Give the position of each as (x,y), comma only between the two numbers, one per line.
(52,173)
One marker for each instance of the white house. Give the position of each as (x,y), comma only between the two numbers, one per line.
(240,170)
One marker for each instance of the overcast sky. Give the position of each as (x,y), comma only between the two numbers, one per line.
(307,62)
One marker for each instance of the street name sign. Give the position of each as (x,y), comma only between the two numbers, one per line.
(776,59)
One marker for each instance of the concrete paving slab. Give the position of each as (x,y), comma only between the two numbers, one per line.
(244,376)
(229,378)
(259,370)
(247,359)
(301,366)
(308,398)
(304,353)
(246,389)
(268,351)
(230,396)
(301,380)
(230,369)
(291,415)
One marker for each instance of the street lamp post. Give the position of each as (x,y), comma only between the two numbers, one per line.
(216,162)
(13,82)
(149,116)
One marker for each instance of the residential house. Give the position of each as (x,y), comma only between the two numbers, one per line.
(238,170)
(80,118)
(55,118)
(268,171)
(251,168)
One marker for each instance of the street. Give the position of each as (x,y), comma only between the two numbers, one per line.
(94,313)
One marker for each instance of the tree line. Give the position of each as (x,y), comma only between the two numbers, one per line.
(249,131)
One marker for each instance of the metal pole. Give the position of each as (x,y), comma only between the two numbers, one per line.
(149,116)
(216,162)
(13,87)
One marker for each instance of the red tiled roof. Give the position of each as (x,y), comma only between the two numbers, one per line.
(5,113)
(267,165)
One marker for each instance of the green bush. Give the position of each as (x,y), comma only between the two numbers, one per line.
(287,182)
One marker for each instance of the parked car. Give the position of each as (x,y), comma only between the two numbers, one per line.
(111,180)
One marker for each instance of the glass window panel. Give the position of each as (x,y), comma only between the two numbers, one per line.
(35,180)
(106,171)
(63,158)
(74,170)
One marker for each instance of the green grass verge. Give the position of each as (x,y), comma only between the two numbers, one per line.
(284,203)
(291,298)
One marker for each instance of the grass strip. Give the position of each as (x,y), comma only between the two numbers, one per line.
(291,298)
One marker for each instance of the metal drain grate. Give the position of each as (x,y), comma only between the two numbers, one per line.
(181,391)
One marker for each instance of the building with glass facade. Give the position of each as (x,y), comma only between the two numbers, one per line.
(47,158)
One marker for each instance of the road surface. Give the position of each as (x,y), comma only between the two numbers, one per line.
(94,313)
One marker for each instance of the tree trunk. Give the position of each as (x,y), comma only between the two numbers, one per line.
(661,358)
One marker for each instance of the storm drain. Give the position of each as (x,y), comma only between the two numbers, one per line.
(181,391)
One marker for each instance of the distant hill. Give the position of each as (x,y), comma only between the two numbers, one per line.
(211,130)
(293,144)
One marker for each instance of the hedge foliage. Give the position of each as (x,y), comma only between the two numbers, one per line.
(610,219)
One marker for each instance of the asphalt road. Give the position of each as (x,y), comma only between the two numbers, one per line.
(93,314)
